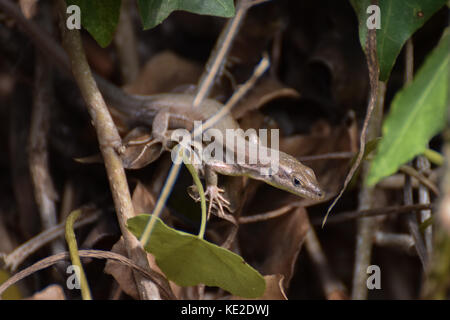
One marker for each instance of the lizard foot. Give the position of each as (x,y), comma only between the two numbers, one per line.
(216,201)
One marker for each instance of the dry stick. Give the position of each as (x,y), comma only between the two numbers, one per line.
(423,166)
(372,63)
(410,171)
(332,287)
(44,190)
(367,226)
(213,67)
(391,210)
(109,142)
(125,43)
(217,58)
(155,277)
(266,215)
(328,156)
(402,241)
(413,225)
(16,257)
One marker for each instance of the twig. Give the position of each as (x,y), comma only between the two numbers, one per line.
(367,226)
(422,179)
(109,142)
(413,225)
(125,42)
(402,241)
(74,255)
(266,215)
(423,166)
(332,287)
(97,254)
(44,190)
(352,215)
(372,63)
(327,156)
(217,58)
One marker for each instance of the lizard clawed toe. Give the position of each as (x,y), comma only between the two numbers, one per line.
(216,201)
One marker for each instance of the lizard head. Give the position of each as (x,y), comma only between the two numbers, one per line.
(295,177)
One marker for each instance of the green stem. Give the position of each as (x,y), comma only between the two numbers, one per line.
(434,157)
(201,192)
(74,256)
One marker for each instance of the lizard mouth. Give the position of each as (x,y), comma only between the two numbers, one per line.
(315,193)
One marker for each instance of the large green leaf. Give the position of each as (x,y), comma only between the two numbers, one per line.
(153,12)
(99,18)
(417,114)
(189,260)
(399,20)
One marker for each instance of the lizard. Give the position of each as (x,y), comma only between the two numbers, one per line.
(168,111)
(163,111)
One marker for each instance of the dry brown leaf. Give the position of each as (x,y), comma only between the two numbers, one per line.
(164,72)
(273,245)
(122,274)
(52,292)
(140,150)
(274,289)
(143,200)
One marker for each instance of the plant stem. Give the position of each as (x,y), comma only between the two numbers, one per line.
(200,189)
(434,157)
(74,256)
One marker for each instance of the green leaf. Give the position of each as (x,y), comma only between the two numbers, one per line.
(417,114)
(399,20)
(99,18)
(153,12)
(188,260)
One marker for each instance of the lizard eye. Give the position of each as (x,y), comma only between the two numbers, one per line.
(296,182)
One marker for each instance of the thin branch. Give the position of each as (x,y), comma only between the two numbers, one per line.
(410,171)
(392,210)
(217,58)
(266,215)
(402,241)
(44,189)
(125,43)
(371,129)
(332,287)
(374,72)
(423,166)
(413,225)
